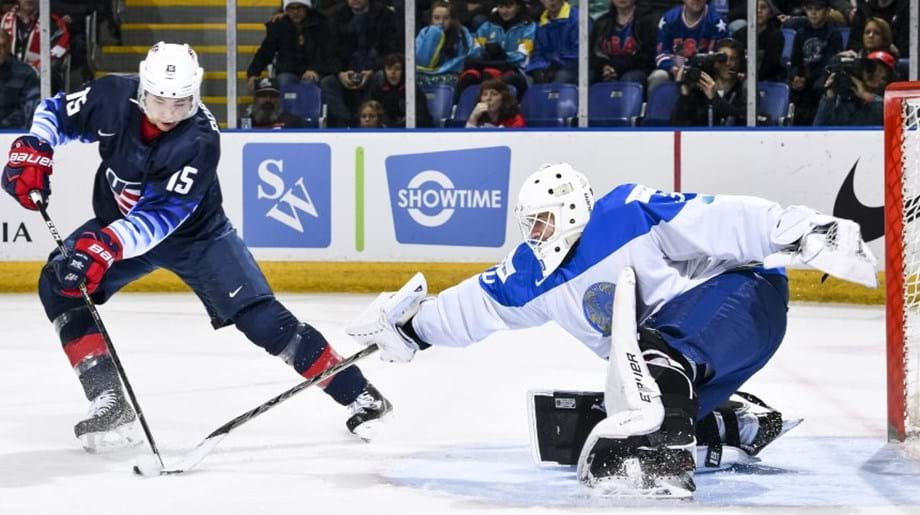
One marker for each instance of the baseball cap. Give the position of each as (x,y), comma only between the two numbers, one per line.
(308,3)
(267,86)
(884,57)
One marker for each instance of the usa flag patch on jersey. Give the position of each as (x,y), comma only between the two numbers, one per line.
(126,193)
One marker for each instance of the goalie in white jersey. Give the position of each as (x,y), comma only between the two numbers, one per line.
(710,302)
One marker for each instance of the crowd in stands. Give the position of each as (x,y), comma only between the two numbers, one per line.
(834,57)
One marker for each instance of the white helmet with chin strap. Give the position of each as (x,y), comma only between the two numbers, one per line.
(170,71)
(553,208)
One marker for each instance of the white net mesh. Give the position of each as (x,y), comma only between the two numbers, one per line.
(910,148)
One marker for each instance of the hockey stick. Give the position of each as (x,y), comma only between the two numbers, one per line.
(39,201)
(196,455)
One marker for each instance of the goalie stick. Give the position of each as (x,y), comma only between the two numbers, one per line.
(196,455)
(39,201)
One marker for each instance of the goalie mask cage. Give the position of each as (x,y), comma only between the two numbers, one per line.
(902,258)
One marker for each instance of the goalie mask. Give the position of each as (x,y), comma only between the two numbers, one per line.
(170,83)
(553,208)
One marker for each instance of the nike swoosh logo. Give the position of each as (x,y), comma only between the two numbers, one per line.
(871,220)
(234,292)
(105,134)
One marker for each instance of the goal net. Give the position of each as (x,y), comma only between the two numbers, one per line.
(902,258)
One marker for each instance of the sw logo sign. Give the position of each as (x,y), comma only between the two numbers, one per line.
(287,195)
(455,197)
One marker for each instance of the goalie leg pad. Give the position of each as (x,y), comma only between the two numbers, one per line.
(560,422)
(669,451)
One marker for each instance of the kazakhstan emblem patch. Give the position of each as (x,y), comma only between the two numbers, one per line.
(598,306)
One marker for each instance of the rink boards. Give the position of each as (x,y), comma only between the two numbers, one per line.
(446,196)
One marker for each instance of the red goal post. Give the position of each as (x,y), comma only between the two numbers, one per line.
(902,258)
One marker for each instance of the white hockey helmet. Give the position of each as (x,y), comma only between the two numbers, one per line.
(553,208)
(170,71)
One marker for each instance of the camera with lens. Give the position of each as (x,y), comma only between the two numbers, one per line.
(844,68)
(699,63)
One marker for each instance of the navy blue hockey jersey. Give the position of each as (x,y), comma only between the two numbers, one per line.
(143,192)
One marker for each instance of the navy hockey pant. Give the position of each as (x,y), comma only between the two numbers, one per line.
(226,278)
(729,326)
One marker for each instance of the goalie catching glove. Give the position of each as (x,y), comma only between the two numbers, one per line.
(830,244)
(383,322)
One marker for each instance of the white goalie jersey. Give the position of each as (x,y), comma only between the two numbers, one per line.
(674,241)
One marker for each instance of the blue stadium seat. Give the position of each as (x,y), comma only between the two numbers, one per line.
(550,105)
(661,102)
(773,102)
(440,102)
(788,38)
(903,68)
(614,103)
(466,103)
(305,100)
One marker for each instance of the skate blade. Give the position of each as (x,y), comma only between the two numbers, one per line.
(788,425)
(122,437)
(370,430)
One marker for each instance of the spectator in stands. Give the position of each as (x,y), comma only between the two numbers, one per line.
(888,10)
(814,45)
(622,44)
(19,89)
(857,100)
(718,97)
(502,46)
(497,107)
(770,43)
(876,36)
(555,52)
(371,115)
(682,32)
(473,13)
(21,23)
(441,48)
(363,31)
(298,44)
(389,88)
(7,5)
(266,109)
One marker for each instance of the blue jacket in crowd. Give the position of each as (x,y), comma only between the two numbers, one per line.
(556,40)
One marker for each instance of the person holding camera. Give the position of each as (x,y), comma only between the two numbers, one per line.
(502,46)
(853,92)
(683,32)
(711,92)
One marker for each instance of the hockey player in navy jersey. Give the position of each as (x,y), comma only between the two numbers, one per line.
(709,306)
(157,204)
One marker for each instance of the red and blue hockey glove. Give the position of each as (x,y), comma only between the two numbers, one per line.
(93,254)
(28,169)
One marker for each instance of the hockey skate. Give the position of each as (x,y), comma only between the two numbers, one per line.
(110,424)
(757,425)
(634,469)
(367,413)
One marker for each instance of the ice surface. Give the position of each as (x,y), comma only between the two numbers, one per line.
(458,442)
